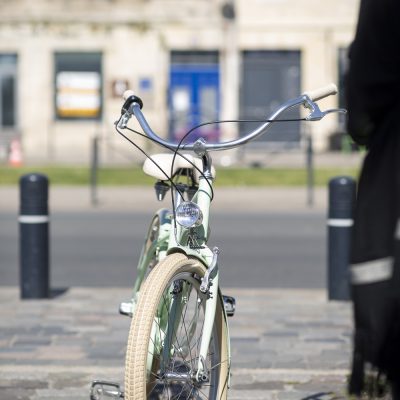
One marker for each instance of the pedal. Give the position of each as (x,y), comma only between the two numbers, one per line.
(126,309)
(230,305)
(102,390)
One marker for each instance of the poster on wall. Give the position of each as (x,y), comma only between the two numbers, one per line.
(78,94)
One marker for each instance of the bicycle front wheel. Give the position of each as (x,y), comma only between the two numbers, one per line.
(166,333)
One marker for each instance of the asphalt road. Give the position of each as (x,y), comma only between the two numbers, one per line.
(100,248)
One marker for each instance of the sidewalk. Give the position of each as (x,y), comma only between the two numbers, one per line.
(286,344)
(74,198)
(117,198)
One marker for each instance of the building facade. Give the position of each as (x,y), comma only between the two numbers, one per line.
(65,63)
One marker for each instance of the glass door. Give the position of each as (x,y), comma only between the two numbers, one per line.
(194,96)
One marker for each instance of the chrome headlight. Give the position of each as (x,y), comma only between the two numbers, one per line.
(188,214)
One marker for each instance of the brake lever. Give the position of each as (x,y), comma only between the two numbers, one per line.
(335,110)
(126,111)
(316,114)
(123,121)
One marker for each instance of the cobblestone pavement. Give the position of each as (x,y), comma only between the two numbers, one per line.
(286,344)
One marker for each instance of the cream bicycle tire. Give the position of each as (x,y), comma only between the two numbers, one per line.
(142,324)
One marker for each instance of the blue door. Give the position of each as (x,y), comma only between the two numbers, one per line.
(194,99)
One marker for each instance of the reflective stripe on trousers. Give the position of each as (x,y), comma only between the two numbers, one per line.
(371,271)
(375,270)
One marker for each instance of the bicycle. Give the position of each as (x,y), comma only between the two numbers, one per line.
(178,345)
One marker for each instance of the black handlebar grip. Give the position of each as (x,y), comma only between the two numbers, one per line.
(130,98)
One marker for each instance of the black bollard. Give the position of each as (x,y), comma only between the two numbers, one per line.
(342,193)
(34,237)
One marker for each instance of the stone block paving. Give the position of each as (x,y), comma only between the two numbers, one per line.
(286,344)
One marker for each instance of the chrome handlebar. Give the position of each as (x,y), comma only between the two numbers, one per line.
(133,106)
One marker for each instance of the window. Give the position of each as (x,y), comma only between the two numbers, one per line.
(78,86)
(270,77)
(8,66)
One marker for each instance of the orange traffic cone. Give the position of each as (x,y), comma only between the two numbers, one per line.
(15,158)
